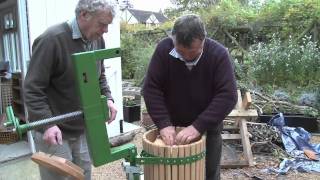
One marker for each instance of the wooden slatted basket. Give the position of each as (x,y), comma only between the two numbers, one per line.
(189,171)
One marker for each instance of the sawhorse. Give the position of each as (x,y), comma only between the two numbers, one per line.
(240,113)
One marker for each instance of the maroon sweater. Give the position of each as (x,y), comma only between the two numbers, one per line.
(202,97)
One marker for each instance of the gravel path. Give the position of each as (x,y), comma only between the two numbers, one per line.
(114,171)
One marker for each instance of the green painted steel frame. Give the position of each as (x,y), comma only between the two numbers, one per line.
(94,107)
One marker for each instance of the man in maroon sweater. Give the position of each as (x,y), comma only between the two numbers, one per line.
(190,82)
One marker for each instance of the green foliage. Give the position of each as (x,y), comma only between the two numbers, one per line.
(281,64)
(228,13)
(143,56)
(292,16)
(318,98)
(129,101)
(137,48)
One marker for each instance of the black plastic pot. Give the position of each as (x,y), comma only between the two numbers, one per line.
(295,120)
(131,113)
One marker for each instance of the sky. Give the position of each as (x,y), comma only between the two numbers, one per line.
(151,5)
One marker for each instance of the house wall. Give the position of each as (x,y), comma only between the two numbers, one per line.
(126,16)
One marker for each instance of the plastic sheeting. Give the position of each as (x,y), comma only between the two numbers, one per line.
(295,140)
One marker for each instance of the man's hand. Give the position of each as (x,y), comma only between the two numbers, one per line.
(187,135)
(113,111)
(168,135)
(53,136)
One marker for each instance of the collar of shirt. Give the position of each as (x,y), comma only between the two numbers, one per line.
(76,33)
(176,55)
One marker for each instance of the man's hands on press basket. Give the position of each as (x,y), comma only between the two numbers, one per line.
(185,136)
(53,135)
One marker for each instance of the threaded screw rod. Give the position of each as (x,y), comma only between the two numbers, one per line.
(49,121)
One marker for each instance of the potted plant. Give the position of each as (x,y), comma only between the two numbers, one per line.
(131,109)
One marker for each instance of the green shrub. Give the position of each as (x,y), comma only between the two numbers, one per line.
(282,64)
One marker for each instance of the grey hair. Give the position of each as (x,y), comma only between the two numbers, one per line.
(187,28)
(93,6)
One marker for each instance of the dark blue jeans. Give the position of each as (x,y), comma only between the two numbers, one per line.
(213,153)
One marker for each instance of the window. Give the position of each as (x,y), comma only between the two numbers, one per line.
(10,39)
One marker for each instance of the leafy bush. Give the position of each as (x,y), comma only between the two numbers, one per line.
(143,56)
(137,44)
(282,64)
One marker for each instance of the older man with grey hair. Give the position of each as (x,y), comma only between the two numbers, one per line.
(50,88)
(190,83)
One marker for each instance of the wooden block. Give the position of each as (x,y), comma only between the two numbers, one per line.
(58,164)
(246,101)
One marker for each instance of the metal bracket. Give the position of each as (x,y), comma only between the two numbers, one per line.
(131,171)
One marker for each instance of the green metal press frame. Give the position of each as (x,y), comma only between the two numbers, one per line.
(95,109)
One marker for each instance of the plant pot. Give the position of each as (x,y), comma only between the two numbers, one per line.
(131,113)
(295,120)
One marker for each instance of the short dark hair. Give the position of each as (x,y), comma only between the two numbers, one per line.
(187,28)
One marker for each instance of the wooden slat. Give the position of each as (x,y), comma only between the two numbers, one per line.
(198,150)
(174,154)
(155,166)
(151,171)
(193,165)
(145,172)
(168,167)
(245,142)
(181,167)
(203,161)
(245,114)
(146,168)
(161,167)
(230,136)
(187,152)
(230,128)
(246,101)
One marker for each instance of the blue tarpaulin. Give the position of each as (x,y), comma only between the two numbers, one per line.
(295,140)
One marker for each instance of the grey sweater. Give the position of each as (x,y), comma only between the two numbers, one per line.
(50,87)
